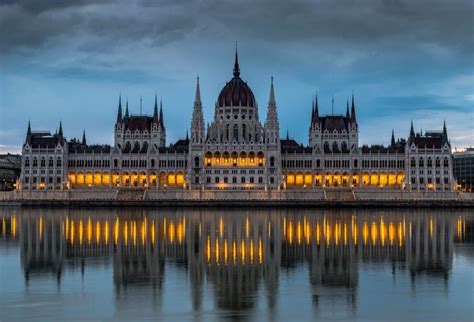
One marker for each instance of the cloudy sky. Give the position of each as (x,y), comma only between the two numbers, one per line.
(402,59)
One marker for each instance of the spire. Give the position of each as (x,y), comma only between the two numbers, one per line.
(60,128)
(126,109)
(187,135)
(236,63)
(353,110)
(155,110)
(316,108)
(162,123)
(84,137)
(445,132)
(197,97)
(347,108)
(392,141)
(271,100)
(313,111)
(412,131)
(140,105)
(287,134)
(28,133)
(119,112)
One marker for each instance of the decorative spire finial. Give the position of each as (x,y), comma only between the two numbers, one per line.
(236,63)
(271,100)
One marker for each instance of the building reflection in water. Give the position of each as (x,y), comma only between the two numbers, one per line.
(238,253)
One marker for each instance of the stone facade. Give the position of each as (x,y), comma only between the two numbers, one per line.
(237,151)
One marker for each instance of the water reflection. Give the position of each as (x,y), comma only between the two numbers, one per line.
(237,253)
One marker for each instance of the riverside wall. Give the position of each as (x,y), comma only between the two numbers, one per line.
(231,198)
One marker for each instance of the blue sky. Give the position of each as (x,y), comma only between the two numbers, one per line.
(402,59)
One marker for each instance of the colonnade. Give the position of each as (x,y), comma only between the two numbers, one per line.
(242,159)
(336,179)
(162,179)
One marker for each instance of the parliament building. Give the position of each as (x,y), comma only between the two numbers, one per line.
(236,151)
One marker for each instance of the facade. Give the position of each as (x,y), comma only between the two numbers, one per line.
(237,151)
(464,169)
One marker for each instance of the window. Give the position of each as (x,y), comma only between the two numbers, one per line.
(216,180)
(196,162)
(226,180)
(334,146)
(413,162)
(260,180)
(50,162)
(234,179)
(242,179)
(251,180)
(446,162)
(272,161)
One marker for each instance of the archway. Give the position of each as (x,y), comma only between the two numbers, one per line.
(383,180)
(345,179)
(97,179)
(365,179)
(299,179)
(392,179)
(105,179)
(171,178)
(290,179)
(328,179)
(162,179)
(180,179)
(308,179)
(355,179)
(142,179)
(336,179)
(374,179)
(72,178)
(134,179)
(80,179)
(89,178)
(125,179)
(318,179)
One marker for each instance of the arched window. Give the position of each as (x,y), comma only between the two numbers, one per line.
(438,162)
(244,131)
(334,146)
(430,162)
(421,163)
(236,132)
(326,146)
(152,163)
(446,162)
(344,146)
(272,161)
(413,162)
(356,163)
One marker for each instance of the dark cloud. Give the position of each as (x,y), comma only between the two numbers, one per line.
(447,24)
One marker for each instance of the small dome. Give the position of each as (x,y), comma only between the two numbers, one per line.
(236,92)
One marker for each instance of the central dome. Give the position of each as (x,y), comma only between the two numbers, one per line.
(236,92)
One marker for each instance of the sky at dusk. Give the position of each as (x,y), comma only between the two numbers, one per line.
(403,60)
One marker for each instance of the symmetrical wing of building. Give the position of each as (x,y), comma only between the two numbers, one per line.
(236,151)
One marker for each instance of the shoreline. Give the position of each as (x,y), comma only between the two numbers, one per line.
(320,198)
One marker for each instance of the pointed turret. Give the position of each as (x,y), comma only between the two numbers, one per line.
(272,125)
(287,134)
(28,133)
(312,113)
(236,63)
(412,130)
(197,122)
(347,108)
(162,121)
(445,132)
(119,112)
(155,111)
(353,110)
(197,97)
(187,136)
(316,109)
(271,100)
(84,141)
(126,109)
(392,141)
(60,133)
